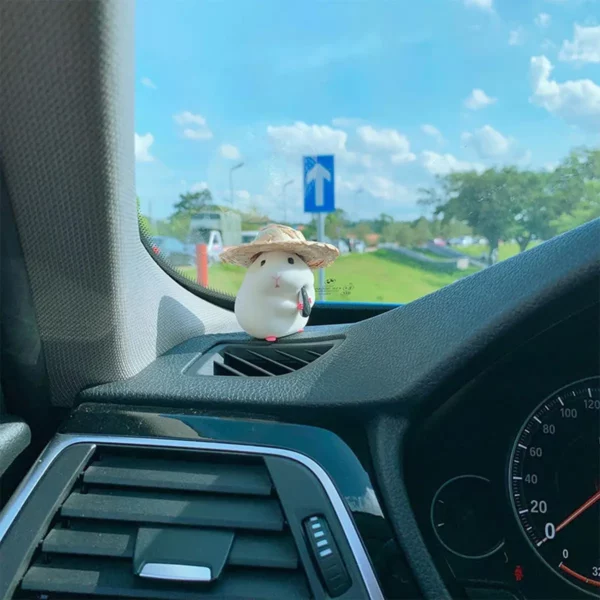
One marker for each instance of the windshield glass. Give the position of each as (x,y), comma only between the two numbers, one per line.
(435,138)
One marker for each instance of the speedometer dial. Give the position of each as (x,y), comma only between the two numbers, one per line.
(554,477)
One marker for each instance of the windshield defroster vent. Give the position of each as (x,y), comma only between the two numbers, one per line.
(257,359)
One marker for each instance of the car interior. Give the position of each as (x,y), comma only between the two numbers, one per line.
(149,448)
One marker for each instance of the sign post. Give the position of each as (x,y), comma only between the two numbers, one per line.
(319,197)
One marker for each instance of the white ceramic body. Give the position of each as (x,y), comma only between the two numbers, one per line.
(267,302)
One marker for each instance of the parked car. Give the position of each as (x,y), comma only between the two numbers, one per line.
(358,246)
(465,240)
(341,245)
(176,252)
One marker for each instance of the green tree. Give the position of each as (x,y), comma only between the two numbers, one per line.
(336,224)
(362,229)
(189,204)
(421,231)
(525,205)
(576,184)
(381,222)
(486,201)
(310,230)
(535,207)
(399,232)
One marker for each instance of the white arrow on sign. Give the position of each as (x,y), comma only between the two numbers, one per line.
(317,174)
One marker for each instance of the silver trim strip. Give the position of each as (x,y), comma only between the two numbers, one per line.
(175,572)
(61,442)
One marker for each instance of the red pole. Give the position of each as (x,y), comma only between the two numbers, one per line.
(202,264)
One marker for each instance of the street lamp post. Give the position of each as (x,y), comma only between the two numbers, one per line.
(238,166)
(284,199)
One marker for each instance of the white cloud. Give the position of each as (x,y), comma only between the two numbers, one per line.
(303,139)
(516,37)
(433,132)
(230,152)
(199,129)
(542,20)
(576,101)
(401,158)
(442,164)
(478,99)
(487,142)
(243,194)
(142,147)
(482,4)
(199,186)
(188,118)
(379,187)
(387,140)
(146,81)
(585,47)
(197,134)
(550,166)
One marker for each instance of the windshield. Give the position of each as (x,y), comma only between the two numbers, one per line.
(433,139)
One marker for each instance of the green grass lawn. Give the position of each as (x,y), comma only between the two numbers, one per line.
(382,276)
(504,250)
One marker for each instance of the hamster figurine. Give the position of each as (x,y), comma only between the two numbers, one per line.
(276,296)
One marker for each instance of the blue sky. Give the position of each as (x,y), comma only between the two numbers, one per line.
(399,91)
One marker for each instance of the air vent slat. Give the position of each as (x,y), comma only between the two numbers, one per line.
(259,359)
(180,475)
(292,356)
(112,578)
(246,364)
(269,552)
(118,540)
(272,361)
(181,509)
(98,539)
(228,370)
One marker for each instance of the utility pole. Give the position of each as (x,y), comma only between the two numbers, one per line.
(284,199)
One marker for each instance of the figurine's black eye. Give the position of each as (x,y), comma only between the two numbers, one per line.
(291,260)
(262,263)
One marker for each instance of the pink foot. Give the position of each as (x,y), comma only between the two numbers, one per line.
(300,330)
(271,338)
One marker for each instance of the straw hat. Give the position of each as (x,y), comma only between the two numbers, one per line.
(281,238)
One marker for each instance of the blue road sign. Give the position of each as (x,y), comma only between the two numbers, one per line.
(319,194)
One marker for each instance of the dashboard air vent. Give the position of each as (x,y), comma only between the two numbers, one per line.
(170,524)
(257,359)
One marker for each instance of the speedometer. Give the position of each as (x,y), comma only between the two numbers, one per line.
(554,478)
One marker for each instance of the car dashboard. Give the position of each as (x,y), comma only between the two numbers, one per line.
(428,453)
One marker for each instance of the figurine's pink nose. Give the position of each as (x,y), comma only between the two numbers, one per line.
(276,278)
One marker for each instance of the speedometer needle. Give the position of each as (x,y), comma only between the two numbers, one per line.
(581,509)
(589,502)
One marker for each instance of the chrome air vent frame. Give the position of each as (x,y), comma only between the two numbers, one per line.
(63,442)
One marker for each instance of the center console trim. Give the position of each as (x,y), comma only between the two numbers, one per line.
(62,441)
